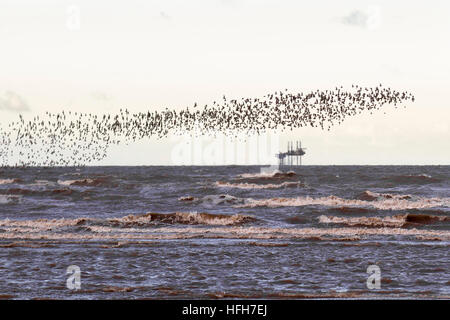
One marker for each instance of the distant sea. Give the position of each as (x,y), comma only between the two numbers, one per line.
(225,232)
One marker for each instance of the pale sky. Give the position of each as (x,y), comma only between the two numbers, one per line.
(100,56)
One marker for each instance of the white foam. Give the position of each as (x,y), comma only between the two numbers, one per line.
(6,181)
(43,229)
(333,201)
(256,186)
(263,174)
(84,182)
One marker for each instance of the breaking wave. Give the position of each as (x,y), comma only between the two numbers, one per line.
(214,199)
(333,201)
(213,227)
(397,221)
(275,175)
(181,218)
(188,199)
(371,196)
(7,199)
(88,182)
(286,184)
(143,220)
(43,183)
(9,181)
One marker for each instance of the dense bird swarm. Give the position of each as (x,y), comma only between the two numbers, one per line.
(71,138)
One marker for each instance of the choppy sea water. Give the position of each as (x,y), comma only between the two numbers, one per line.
(225,232)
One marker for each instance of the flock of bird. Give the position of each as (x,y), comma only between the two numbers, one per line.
(76,139)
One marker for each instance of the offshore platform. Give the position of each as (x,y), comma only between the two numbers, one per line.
(293,156)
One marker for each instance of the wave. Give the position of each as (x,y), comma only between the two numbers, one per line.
(21,191)
(26,244)
(88,182)
(182,218)
(397,221)
(413,179)
(215,199)
(222,184)
(295,295)
(126,228)
(10,181)
(18,191)
(274,175)
(7,199)
(267,244)
(188,199)
(357,294)
(43,183)
(333,201)
(371,196)
(65,191)
(424,218)
(351,210)
(129,221)
(118,289)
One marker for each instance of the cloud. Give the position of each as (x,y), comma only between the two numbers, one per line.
(164,15)
(368,19)
(11,101)
(356,18)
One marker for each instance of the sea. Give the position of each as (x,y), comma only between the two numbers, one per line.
(233,232)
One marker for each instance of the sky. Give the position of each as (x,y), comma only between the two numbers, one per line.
(101,56)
